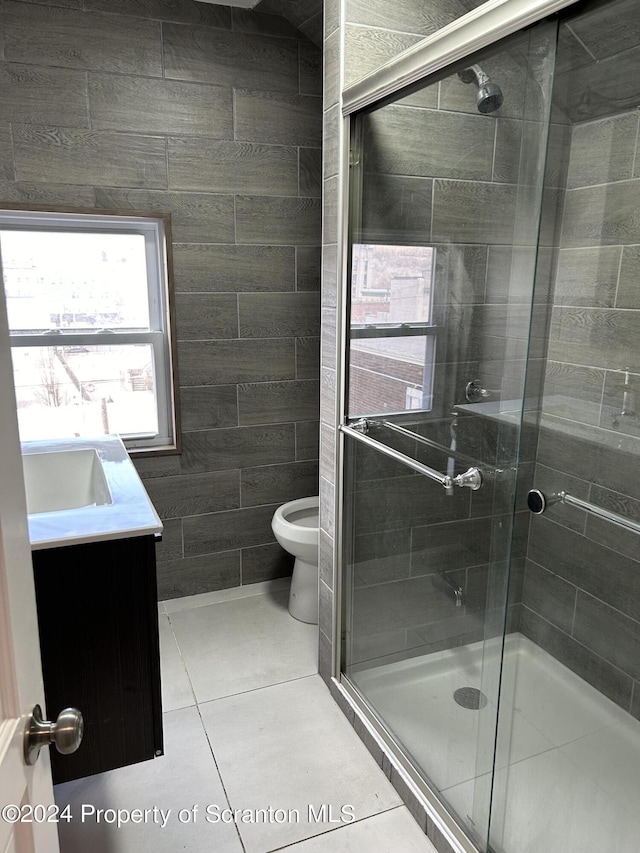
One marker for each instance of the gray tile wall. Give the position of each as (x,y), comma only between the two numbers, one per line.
(581,593)
(214,115)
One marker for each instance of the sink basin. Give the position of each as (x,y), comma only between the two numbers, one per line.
(65,479)
(82,490)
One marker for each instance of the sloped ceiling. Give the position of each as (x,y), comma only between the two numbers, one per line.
(306,15)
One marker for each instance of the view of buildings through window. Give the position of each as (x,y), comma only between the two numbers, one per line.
(71,298)
(392,345)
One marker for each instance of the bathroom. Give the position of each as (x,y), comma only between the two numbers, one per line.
(160,106)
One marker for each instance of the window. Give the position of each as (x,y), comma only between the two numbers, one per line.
(392,344)
(88,302)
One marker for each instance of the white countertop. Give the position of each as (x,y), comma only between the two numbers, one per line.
(129,514)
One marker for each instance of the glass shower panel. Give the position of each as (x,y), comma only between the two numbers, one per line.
(445,210)
(568,765)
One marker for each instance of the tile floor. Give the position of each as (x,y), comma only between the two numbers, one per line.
(249,726)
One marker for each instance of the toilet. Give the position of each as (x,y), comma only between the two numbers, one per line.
(295,526)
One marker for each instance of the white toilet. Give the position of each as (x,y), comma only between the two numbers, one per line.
(295,526)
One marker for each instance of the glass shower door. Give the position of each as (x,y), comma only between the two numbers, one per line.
(445,209)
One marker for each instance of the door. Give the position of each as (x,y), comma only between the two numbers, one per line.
(21,684)
(446,196)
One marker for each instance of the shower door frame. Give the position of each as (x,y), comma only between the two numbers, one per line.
(478,29)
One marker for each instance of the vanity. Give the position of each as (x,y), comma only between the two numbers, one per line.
(92,529)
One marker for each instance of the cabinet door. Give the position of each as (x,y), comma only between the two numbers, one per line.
(98,613)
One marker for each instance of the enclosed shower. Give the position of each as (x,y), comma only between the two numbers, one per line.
(490,624)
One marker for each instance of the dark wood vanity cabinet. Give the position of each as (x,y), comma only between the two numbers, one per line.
(98,622)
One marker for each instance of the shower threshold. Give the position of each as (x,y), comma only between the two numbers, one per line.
(568,759)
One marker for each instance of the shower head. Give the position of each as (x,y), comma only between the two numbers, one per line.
(489,96)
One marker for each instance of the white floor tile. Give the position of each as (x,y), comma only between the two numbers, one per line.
(289,747)
(176,687)
(186,775)
(204,598)
(244,644)
(394,830)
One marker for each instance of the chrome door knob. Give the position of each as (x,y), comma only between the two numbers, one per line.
(66,733)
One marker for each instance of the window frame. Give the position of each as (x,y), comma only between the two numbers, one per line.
(155,227)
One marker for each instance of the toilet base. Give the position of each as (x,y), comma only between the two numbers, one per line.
(303,597)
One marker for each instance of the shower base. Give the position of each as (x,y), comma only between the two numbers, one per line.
(568,764)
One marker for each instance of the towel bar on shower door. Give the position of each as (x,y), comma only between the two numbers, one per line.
(538,503)
(471,479)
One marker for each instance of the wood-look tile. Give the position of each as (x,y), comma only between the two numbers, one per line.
(602,216)
(331,141)
(52,195)
(228,362)
(367,49)
(277,402)
(194,494)
(601,337)
(330,211)
(67,155)
(587,276)
(307,440)
(331,16)
(208,407)
(506,163)
(195,217)
(606,34)
(195,575)
(229,268)
(149,467)
(278,220)
(406,15)
(170,546)
(226,531)
(611,416)
(269,484)
(233,167)
(332,63)
(603,151)
(7,174)
(308,260)
(434,143)
(220,449)
(307,358)
(312,28)
(265,562)
(33,95)
(449,547)
(206,316)
(180,11)
(396,209)
(250,21)
(143,105)
(229,58)
(279,315)
(472,212)
(579,561)
(573,385)
(611,535)
(277,117)
(310,59)
(310,172)
(549,595)
(85,40)
(67,4)
(608,633)
(628,295)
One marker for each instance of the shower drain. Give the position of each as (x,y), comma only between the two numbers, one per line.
(470,697)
